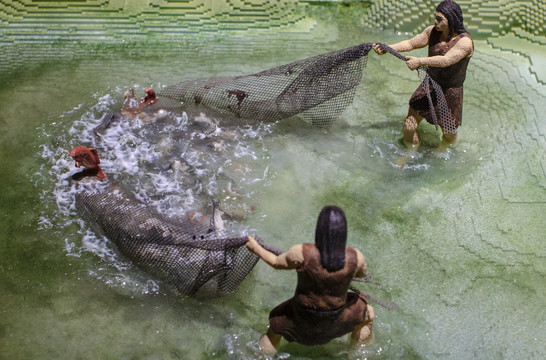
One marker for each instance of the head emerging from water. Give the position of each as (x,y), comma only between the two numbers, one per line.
(88,158)
(331,237)
(454,15)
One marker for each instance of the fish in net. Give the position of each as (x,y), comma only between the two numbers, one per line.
(193,258)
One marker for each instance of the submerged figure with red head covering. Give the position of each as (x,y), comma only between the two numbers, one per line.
(89,159)
(322,307)
(449,50)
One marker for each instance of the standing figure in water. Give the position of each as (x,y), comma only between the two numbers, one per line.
(449,50)
(322,307)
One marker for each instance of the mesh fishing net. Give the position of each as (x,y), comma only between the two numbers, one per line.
(193,258)
(438,108)
(317,89)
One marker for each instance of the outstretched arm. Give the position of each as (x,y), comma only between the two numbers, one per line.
(462,49)
(291,259)
(416,42)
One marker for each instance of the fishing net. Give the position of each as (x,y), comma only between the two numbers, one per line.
(193,258)
(197,258)
(438,109)
(317,89)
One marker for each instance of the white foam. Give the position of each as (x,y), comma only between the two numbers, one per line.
(164,184)
(139,156)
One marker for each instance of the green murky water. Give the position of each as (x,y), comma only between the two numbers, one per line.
(455,237)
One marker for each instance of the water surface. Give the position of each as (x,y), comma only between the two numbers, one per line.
(455,237)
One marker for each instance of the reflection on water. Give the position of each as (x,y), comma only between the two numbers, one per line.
(455,237)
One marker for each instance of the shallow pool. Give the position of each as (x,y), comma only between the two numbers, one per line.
(454,237)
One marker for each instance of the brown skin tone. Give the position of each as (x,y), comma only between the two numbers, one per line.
(463,48)
(290,260)
(88,158)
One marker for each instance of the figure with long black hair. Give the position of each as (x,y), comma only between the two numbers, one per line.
(449,50)
(322,307)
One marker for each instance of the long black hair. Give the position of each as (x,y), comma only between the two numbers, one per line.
(331,237)
(454,16)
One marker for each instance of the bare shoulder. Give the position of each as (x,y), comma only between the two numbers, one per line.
(426,33)
(295,255)
(466,41)
(428,30)
(465,44)
(359,255)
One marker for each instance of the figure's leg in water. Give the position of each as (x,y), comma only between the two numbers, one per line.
(411,138)
(448,139)
(270,342)
(363,331)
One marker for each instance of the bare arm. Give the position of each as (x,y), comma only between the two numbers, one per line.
(416,42)
(361,265)
(291,259)
(462,49)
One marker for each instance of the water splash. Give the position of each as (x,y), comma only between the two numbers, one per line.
(174,165)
